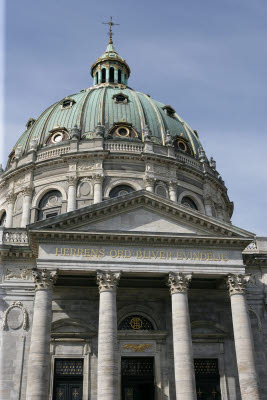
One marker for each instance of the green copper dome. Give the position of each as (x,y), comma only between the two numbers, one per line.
(108,103)
(96,105)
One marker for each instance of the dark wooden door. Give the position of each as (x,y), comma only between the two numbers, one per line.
(68,379)
(207,379)
(137,378)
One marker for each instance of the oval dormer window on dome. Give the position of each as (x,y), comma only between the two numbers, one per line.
(123,130)
(169,110)
(58,135)
(30,123)
(120,98)
(67,103)
(182,144)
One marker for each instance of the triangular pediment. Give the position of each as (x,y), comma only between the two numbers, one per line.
(140,212)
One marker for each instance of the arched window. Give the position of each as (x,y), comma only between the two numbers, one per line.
(161,191)
(50,205)
(120,190)
(103,80)
(96,77)
(111,74)
(136,323)
(119,75)
(187,202)
(3,219)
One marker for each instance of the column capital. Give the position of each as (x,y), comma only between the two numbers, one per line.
(179,282)
(149,180)
(172,184)
(11,197)
(107,280)
(98,178)
(72,180)
(237,284)
(44,279)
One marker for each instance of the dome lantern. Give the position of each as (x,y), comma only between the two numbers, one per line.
(110,67)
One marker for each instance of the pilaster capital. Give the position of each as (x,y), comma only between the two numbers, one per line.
(72,180)
(107,280)
(237,284)
(179,282)
(98,178)
(44,279)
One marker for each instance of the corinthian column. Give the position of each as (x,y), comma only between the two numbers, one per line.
(39,355)
(107,370)
(9,212)
(98,181)
(72,180)
(182,341)
(26,208)
(244,345)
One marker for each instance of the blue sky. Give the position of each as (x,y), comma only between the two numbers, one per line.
(207,59)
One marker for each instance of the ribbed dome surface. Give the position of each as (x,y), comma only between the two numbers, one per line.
(96,105)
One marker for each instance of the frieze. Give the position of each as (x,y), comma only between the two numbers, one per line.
(24,274)
(141,254)
(137,347)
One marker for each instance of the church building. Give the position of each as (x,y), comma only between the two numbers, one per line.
(122,277)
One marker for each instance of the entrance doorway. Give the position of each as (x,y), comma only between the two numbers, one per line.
(68,379)
(137,375)
(207,379)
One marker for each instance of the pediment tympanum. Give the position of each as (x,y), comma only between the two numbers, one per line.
(140,212)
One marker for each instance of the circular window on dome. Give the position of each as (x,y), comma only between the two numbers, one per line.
(189,203)
(124,132)
(120,190)
(182,146)
(57,137)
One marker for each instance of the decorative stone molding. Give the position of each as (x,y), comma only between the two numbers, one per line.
(24,274)
(16,304)
(178,283)
(18,152)
(108,280)
(33,145)
(98,178)
(44,279)
(147,134)
(237,284)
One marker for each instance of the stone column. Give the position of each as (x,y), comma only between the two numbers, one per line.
(98,182)
(172,191)
(107,370)
(72,180)
(182,341)
(244,345)
(149,184)
(9,211)
(39,355)
(26,208)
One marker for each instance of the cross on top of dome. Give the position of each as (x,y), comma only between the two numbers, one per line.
(110,33)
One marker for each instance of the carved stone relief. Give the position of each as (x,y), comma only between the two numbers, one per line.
(15,316)
(24,274)
(84,188)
